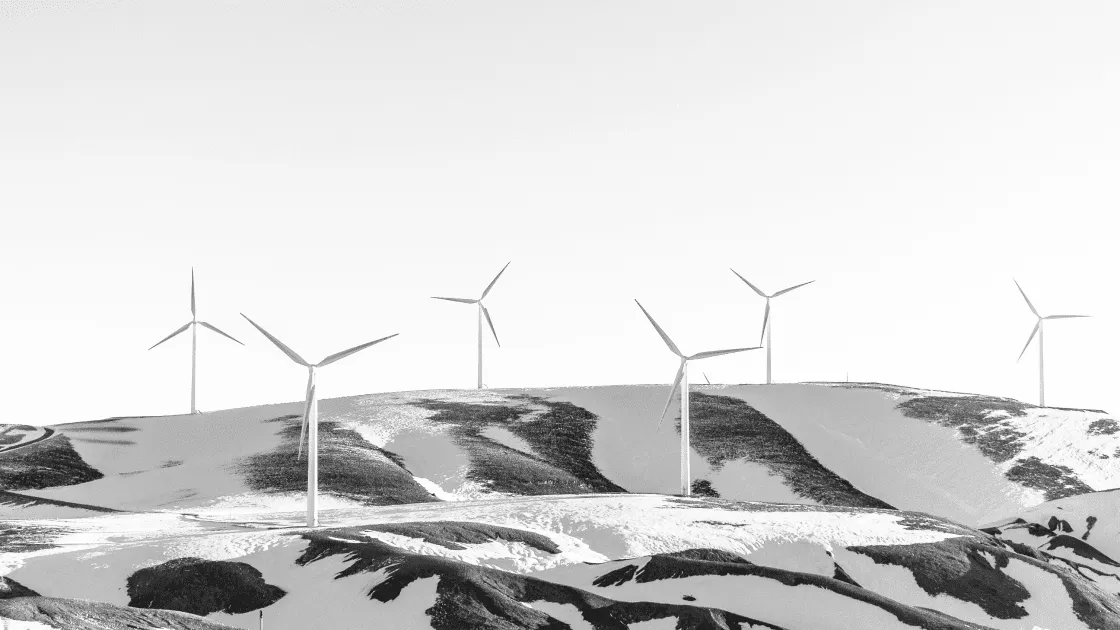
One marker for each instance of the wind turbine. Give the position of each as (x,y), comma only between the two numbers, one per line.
(681,381)
(193,325)
(1038,330)
(311,416)
(482,312)
(766,316)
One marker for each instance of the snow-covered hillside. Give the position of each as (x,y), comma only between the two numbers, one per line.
(591,561)
(532,508)
(974,459)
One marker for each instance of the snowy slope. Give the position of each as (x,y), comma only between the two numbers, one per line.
(527,561)
(971,458)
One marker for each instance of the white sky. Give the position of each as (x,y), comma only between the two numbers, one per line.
(328,166)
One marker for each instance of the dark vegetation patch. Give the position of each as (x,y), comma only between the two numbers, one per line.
(955,567)
(171,463)
(24,501)
(471,596)
(974,418)
(703,488)
(454,534)
(19,537)
(726,429)
(695,562)
(349,466)
(1090,521)
(561,438)
(113,442)
(76,614)
(10,588)
(838,573)
(47,464)
(1104,426)
(1080,548)
(201,587)
(1056,481)
(100,429)
(1055,523)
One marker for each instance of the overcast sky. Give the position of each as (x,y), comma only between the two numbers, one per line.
(326,167)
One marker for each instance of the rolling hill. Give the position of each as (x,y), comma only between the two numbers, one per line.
(545,508)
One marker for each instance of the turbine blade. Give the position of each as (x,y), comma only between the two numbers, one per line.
(345,353)
(1029,340)
(718,353)
(185,326)
(1033,309)
(668,341)
(706,378)
(279,344)
(215,329)
(491,285)
(765,321)
(192,292)
(489,321)
(676,384)
(463,300)
(796,286)
(1064,316)
(756,289)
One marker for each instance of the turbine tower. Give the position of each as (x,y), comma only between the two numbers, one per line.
(766,316)
(193,325)
(311,416)
(681,381)
(482,312)
(1038,330)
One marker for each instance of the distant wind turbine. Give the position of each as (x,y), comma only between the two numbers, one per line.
(681,381)
(482,312)
(1038,330)
(193,325)
(766,316)
(311,415)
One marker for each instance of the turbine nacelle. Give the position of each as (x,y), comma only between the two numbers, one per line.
(766,313)
(311,367)
(683,357)
(1040,318)
(482,312)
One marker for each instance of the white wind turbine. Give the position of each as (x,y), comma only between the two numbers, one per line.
(766,316)
(311,416)
(681,381)
(1038,330)
(193,325)
(482,312)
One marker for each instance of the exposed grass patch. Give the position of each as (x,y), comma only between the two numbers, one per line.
(703,488)
(726,429)
(20,537)
(472,596)
(349,466)
(201,587)
(1104,426)
(977,420)
(1055,481)
(454,534)
(696,562)
(1079,548)
(560,437)
(955,567)
(77,614)
(47,464)
(10,588)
